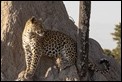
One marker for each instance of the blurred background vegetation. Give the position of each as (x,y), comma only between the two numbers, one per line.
(116,52)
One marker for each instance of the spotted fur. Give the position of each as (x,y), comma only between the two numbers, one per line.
(37,42)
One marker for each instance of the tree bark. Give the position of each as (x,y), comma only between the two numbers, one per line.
(14,15)
(83,37)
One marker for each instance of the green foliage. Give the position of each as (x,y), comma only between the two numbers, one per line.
(108,52)
(117,34)
(117,37)
(116,52)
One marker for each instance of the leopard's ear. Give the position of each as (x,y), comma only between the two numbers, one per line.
(32,19)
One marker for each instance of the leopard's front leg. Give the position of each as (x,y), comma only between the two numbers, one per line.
(28,56)
(36,53)
(28,59)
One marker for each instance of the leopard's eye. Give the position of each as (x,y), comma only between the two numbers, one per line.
(38,32)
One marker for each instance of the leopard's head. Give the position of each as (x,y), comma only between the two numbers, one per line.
(35,25)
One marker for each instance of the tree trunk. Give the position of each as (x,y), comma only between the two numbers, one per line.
(14,14)
(83,37)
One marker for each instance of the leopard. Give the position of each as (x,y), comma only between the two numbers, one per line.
(38,41)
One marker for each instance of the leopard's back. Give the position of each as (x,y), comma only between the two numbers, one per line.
(57,44)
